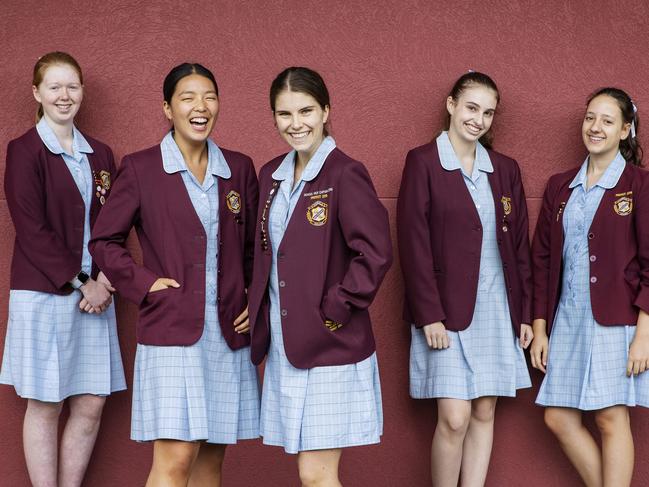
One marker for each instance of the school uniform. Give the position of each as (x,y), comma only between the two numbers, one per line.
(322,250)
(53,350)
(193,377)
(591,256)
(465,259)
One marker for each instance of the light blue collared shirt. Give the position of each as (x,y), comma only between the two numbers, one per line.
(204,198)
(79,167)
(608,180)
(450,162)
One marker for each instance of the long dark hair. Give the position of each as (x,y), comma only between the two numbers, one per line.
(301,80)
(629,147)
(467,80)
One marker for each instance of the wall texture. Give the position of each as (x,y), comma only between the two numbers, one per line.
(389,66)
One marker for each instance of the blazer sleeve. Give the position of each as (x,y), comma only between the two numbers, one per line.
(522,246)
(642,236)
(541,246)
(26,195)
(108,243)
(252,200)
(365,228)
(414,237)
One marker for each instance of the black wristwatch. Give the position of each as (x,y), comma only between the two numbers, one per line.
(79,280)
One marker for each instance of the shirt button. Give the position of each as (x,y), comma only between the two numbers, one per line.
(282,284)
(203,195)
(593,279)
(477,206)
(284,312)
(593,258)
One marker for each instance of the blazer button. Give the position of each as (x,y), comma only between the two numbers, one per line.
(593,279)
(284,312)
(505,229)
(282,284)
(593,258)
(591,236)
(280,255)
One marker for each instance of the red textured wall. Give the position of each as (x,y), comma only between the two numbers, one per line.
(389,65)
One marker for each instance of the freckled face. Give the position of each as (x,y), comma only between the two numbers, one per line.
(603,127)
(472,113)
(60,93)
(193,109)
(300,121)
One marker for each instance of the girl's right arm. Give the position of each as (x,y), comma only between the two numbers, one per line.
(109,234)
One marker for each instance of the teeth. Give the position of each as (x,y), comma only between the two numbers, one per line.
(198,120)
(299,135)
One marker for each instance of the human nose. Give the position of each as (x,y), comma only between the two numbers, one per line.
(595,125)
(296,122)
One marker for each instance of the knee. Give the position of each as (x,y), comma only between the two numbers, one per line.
(484,412)
(177,466)
(45,410)
(455,423)
(611,421)
(314,474)
(558,421)
(87,408)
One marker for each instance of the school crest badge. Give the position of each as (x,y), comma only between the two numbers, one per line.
(623,206)
(102,185)
(317,213)
(233,200)
(507,204)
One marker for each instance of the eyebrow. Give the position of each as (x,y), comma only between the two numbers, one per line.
(191,92)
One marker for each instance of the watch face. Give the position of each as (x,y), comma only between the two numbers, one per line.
(83,277)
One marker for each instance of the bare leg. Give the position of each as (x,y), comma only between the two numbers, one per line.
(206,470)
(319,468)
(79,438)
(40,441)
(172,463)
(453,416)
(617,446)
(577,443)
(478,442)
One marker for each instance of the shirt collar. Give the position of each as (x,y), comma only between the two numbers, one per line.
(608,180)
(47,135)
(450,162)
(173,160)
(313,167)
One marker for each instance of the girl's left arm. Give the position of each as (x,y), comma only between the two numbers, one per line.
(522,246)
(364,223)
(639,351)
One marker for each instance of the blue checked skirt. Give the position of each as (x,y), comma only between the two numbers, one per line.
(205,391)
(319,408)
(54,351)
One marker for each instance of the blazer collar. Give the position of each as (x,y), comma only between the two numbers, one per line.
(173,161)
(450,162)
(79,142)
(286,168)
(608,180)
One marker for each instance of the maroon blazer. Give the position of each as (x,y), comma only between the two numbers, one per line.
(440,239)
(48,212)
(174,244)
(330,270)
(618,246)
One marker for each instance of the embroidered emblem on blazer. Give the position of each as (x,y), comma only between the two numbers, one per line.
(102,185)
(317,213)
(233,200)
(507,204)
(623,206)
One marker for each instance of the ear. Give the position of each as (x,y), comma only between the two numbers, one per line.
(626,129)
(450,105)
(37,95)
(325,115)
(167,109)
